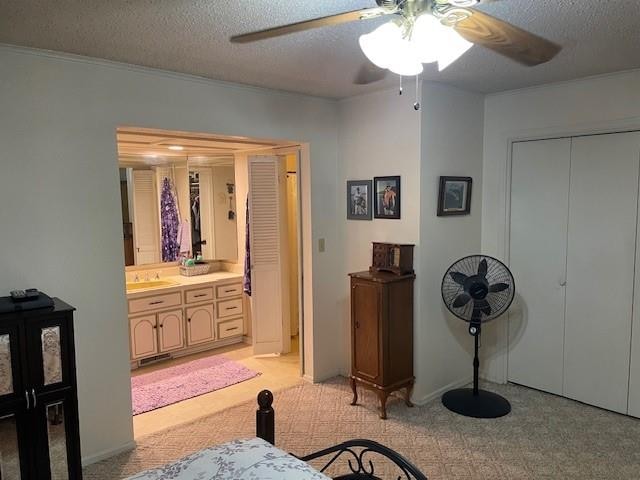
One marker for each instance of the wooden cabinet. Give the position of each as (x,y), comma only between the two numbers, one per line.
(144,339)
(382,334)
(39,433)
(170,330)
(200,324)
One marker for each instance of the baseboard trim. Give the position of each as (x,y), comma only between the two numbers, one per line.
(438,393)
(98,457)
(308,378)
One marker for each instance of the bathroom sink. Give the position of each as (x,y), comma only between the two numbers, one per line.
(149,284)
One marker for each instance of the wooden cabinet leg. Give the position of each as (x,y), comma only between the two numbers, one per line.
(383,404)
(355,392)
(407,396)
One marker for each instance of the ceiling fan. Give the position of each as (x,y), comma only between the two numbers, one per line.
(424,31)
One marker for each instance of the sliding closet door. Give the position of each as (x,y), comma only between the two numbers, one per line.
(603,205)
(538,241)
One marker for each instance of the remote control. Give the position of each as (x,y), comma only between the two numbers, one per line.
(24,295)
(18,295)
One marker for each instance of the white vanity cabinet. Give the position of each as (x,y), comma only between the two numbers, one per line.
(200,324)
(170,330)
(144,339)
(191,316)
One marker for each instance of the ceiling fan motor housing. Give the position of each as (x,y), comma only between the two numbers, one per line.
(388,3)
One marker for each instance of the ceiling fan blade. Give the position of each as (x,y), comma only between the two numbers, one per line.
(352,16)
(482,267)
(506,39)
(498,287)
(369,73)
(458,277)
(461,300)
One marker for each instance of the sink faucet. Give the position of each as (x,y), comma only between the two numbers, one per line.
(137,278)
(146,276)
(157,275)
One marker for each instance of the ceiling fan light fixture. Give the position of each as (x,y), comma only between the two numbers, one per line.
(425,38)
(387,48)
(380,45)
(451,47)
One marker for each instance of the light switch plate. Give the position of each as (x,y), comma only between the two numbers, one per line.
(321,244)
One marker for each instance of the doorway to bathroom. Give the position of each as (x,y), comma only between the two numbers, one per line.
(213,252)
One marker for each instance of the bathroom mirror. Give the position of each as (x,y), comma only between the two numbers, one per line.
(177,206)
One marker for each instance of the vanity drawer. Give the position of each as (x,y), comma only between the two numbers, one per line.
(229,290)
(199,295)
(155,302)
(230,328)
(229,308)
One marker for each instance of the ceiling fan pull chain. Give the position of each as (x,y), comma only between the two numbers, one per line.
(400,91)
(416,105)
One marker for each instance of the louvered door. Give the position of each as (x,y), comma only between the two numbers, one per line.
(145,223)
(266,286)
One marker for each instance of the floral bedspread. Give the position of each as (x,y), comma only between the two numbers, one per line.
(237,460)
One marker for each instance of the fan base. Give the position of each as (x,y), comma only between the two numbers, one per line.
(483,405)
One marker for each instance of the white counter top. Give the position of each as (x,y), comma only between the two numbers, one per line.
(180,281)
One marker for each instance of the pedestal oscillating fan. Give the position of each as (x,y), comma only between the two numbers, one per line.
(477,289)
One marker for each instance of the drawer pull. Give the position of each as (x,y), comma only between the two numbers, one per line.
(231,329)
(230,291)
(231,308)
(200,295)
(157,302)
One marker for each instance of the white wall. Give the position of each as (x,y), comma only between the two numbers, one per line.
(59,187)
(451,145)
(381,134)
(597,104)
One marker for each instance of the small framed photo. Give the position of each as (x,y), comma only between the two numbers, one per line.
(387,191)
(454,197)
(359,199)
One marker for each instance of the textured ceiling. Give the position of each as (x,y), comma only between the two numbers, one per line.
(191,36)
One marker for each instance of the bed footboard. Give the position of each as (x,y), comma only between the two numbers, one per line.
(358,452)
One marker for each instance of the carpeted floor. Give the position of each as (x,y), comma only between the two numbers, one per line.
(545,437)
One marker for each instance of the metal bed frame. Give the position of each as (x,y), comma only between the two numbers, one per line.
(358,451)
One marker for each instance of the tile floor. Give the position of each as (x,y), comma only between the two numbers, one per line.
(278,372)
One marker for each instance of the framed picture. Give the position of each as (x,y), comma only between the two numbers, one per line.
(359,199)
(454,197)
(387,190)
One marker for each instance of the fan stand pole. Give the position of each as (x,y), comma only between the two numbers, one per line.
(476,364)
(473,402)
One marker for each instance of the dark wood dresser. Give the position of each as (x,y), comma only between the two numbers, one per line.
(382,334)
(39,433)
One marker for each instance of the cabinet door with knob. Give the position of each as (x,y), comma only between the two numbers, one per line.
(200,324)
(170,330)
(39,432)
(365,310)
(144,339)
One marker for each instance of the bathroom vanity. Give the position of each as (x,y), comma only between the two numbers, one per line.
(180,315)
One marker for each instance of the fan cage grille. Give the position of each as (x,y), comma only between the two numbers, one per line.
(497,272)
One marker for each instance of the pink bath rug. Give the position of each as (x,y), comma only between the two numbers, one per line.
(170,385)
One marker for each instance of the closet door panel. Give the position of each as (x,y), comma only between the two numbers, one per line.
(600,268)
(537,258)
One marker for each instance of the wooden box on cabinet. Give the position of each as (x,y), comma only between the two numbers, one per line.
(39,429)
(382,334)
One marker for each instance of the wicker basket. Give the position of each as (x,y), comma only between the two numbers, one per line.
(197,269)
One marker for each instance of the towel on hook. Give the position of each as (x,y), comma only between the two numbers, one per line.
(184,238)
